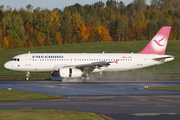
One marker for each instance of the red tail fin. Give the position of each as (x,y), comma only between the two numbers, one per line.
(158,44)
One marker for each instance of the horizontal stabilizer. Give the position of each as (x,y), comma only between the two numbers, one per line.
(163,59)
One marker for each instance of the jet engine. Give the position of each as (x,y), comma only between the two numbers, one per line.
(67,72)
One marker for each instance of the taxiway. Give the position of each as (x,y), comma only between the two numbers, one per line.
(119,100)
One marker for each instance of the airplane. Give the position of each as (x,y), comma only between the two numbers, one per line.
(72,65)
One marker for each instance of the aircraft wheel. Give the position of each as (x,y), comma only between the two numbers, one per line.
(26,78)
(87,78)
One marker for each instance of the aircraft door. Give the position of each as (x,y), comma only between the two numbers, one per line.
(140,60)
(28,60)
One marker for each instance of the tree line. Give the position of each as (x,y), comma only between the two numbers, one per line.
(99,22)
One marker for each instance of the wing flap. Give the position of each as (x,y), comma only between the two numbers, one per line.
(87,68)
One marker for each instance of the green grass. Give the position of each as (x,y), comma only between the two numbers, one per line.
(167,70)
(176,88)
(47,115)
(14,95)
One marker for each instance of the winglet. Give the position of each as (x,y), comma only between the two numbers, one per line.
(159,42)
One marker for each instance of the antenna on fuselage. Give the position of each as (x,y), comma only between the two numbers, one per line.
(103,52)
(29,52)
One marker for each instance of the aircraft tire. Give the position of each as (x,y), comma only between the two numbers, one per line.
(82,78)
(87,78)
(26,78)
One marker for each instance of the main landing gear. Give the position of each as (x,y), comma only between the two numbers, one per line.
(27,76)
(85,77)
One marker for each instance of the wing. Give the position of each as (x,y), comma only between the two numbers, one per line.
(87,68)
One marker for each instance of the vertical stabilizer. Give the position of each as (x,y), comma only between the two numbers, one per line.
(159,42)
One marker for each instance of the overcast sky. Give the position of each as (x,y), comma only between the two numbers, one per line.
(51,4)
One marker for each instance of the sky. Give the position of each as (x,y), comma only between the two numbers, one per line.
(51,4)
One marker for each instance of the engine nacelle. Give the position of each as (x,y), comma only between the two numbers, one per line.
(69,72)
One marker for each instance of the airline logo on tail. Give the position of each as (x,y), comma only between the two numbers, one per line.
(158,44)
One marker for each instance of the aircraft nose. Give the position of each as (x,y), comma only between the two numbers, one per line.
(7,65)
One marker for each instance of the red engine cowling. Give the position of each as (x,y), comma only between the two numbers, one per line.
(69,72)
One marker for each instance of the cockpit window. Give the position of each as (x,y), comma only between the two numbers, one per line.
(15,59)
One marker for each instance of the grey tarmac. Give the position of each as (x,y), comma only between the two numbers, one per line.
(118,100)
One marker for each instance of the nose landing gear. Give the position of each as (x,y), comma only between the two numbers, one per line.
(27,76)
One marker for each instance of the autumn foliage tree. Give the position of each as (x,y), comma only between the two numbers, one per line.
(102,34)
(98,22)
(58,38)
(84,32)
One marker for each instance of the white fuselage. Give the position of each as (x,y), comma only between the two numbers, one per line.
(49,62)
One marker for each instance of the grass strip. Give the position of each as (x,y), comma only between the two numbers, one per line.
(167,70)
(14,95)
(175,88)
(47,115)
